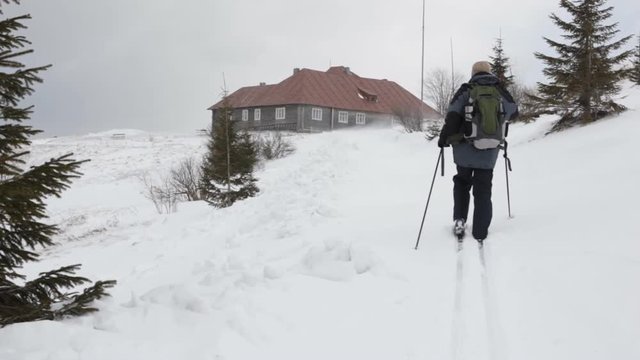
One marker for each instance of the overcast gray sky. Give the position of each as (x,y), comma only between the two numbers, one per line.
(158,64)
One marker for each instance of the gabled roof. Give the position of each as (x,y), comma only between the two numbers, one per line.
(337,88)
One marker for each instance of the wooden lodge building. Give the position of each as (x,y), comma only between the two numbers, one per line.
(311,100)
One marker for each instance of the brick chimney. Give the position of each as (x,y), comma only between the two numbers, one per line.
(295,70)
(263,84)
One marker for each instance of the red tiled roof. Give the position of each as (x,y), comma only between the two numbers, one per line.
(337,88)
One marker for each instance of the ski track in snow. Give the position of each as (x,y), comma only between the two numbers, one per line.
(457,326)
(320,265)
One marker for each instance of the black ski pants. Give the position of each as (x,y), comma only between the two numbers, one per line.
(480,181)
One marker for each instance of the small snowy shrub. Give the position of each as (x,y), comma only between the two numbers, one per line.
(433,129)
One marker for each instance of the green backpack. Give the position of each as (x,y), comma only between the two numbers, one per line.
(485,112)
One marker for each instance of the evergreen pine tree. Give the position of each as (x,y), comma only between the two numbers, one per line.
(22,195)
(635,67)
(500,64)
(585,74)
(227,169)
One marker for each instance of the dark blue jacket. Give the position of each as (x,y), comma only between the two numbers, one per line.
(464,153)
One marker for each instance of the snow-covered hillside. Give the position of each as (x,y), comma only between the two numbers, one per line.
(321,264)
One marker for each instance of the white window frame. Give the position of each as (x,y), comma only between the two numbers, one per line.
(343,117)
(281,113)
(316,114)
(361,119)
(257,114)
(245,115)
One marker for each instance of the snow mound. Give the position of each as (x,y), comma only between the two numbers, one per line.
(338,261)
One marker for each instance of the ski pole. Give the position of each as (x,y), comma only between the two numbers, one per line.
(440,160)
(507,168)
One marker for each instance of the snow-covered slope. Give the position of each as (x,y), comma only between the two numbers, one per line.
(321,264)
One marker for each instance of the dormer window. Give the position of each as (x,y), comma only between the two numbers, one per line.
(367,95)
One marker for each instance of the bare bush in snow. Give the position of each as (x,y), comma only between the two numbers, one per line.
(410,119)
(273,146)
(185,179)
(162,195)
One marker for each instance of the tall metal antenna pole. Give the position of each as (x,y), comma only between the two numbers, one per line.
(227,118)
(224,85)
(422,64)
(453,85)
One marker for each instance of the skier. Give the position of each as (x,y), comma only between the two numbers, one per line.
(475,148)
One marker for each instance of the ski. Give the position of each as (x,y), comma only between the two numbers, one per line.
(483,262)
(459,230)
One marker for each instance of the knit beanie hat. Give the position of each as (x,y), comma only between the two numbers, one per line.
(481,66)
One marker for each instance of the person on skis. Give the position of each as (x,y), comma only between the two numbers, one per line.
(475,125)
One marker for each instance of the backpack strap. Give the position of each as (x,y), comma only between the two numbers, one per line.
(464,87)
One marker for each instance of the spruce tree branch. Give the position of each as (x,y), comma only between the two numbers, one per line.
(8,2)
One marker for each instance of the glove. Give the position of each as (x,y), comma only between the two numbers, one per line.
(442,142)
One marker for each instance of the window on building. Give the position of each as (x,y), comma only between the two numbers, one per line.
(256,114)
(280,113)
(245,115)
(367,95)
(361,119)
(343,117)
(316,114)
